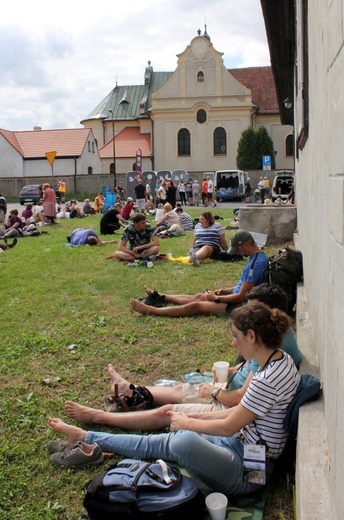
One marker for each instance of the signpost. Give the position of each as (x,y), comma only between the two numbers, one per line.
(266,159)
(51,158)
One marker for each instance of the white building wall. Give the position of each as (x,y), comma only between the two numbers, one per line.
(11,164)
(320,200)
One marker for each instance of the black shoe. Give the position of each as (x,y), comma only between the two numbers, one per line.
(154,299)
(13,243)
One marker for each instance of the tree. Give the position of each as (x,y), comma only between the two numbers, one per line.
(252,146)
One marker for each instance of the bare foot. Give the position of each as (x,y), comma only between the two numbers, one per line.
(73,433)
(149,291)
(116,378)
(81,413)
(140,307)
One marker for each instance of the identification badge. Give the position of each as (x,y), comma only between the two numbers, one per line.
(255,463)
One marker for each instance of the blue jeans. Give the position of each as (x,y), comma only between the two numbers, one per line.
(216,461)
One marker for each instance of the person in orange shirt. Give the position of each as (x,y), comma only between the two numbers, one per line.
(99,203)
(62,190)
(204,192)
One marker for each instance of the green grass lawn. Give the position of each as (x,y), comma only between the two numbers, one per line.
(64,315)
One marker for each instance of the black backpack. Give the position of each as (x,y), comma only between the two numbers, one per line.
(285,269)
(145,490)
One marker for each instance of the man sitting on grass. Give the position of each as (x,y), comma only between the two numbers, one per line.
(221,300)
(141,239)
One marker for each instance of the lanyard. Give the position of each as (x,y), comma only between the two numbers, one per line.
(269,359)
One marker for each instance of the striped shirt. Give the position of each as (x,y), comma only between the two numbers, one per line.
(185,221)
(268,396)
(209,236)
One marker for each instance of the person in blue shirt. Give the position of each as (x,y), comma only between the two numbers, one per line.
(221,300)
(87,237)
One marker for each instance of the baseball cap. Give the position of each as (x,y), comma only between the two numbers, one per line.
(130,199)
(240,237)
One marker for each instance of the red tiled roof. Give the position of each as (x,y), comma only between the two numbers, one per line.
(35,143)
(11,138)
(262,85)
(127,142)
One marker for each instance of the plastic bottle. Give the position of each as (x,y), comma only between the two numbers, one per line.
(167,382)
(195,378)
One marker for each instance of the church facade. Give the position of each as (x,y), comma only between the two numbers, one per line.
(191,118)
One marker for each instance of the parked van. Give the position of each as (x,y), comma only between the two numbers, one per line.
(282,184)
(230,184)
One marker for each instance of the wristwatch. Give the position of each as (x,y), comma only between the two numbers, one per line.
(215,392)
(217,298)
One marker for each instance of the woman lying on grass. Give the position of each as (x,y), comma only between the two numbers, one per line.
(211,445)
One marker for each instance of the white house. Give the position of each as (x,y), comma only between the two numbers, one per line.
(23,154)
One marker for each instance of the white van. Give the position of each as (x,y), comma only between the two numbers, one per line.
(230,184)
(282,184)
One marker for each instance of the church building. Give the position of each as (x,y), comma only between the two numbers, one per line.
(190,119)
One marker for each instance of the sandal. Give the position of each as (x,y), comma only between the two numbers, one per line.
(140,399)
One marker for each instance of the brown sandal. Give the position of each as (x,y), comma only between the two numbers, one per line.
(140,398)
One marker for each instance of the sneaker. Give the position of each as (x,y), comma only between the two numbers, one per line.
(152,258)
(76,456)
(154,299)
(56,446)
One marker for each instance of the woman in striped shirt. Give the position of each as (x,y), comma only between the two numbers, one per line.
(210,445)
(209,239)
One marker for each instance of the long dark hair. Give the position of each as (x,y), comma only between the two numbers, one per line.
(268,324)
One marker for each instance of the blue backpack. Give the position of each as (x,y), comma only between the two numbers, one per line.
(146,490)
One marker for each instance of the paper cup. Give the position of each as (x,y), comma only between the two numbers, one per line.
(217,506)
(221,371)
(169,255)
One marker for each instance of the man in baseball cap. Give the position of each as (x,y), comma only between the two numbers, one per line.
(219,301)
(240,237)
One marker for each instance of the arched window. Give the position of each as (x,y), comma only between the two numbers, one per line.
(220,141)
(200,76)
(201,116)
(89,170)
(184,142)
(289,146)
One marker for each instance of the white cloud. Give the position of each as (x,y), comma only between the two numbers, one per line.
(58,66)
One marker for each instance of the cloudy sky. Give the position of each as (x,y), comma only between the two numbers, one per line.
(59,60)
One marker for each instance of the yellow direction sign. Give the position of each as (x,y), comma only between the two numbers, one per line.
(51,157)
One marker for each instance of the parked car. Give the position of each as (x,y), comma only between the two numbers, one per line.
(3,208)
(282,184)
(30,193)
(34,192)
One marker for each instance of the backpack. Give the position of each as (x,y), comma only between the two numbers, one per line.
(145,490)
(308,390)
(285,269)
